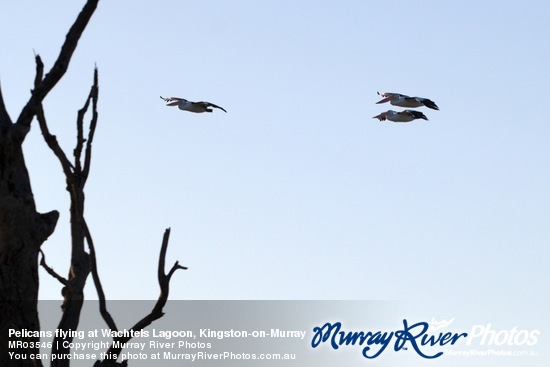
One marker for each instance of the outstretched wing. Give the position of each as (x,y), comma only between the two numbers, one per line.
(393,95)
(172,99)
(415,114)
(429,103)
(208,104)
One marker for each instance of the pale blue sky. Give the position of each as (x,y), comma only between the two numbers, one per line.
(296,192)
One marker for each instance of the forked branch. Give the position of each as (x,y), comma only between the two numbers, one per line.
(157,311)
(80,140)
(76,178)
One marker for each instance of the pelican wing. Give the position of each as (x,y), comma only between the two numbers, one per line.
(394,95)
(208,104)
(428,103)
(172,99)
(415,114)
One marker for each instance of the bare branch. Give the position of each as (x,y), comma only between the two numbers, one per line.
(51,140)
(77,152)
(157,311)
(94,95)
(81,263)
(39,70)
(175,267)
(97,282)
(51,271)
(60,66)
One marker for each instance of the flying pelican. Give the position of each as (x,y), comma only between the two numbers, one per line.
(186,105)
(403,116)
(402,100)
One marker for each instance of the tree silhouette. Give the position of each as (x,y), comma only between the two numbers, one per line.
(23,230)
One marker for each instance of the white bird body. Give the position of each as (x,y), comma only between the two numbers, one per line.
(185,105)
(402,116)
(402,100)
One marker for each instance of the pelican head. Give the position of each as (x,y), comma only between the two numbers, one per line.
(387,97)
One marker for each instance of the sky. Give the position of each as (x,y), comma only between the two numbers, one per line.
(297,192)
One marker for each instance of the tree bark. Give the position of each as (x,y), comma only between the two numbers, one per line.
(22,228)
(22,232)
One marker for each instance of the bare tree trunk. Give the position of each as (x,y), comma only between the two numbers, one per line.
(22,229)
(22,232)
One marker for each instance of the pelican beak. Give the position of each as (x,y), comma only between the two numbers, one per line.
(387,99)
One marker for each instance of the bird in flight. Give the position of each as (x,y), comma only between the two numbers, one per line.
(402,100)
(403,116)
(186,105)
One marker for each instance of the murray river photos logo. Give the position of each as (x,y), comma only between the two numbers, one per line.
(422,337)
(374,343)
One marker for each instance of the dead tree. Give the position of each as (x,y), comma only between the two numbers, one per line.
(23,230)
